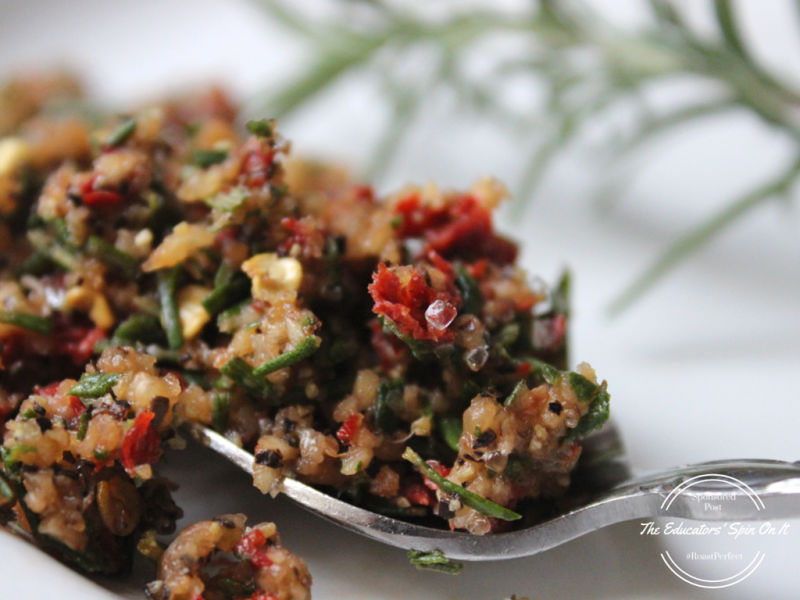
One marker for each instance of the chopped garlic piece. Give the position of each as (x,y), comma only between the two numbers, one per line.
(190,310)
(179,245)
(421,426)
(84,298)
(271,274)
(144,240)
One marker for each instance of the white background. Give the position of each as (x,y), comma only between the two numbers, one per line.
(704,367)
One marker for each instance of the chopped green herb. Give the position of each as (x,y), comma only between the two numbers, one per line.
(595,417)
(148,546)
(27,321)
(227,293)
(222,406)
(227,201)
(223,275)
(390,399)
(139,328)
(56,252)
(517,466)
(11,455)
(94,385)
(482,505)
(227,319)
(61,230)
(37,263)
(206,158)
(450,429)
(305,348)
(434,561)
(546,371)
(515,394)
(587,392)
(83,424)
(170,321)
(278,191)
(508,335)
(242,374)
(261,128)
(396,221)
(559,296)
(420,350)
(112,257)
(6,492)
(100,454)
(196,378)
(471,297)
(123,131)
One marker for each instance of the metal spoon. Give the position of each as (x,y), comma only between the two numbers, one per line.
(603,493)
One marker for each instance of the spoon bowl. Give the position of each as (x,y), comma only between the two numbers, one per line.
(603,493)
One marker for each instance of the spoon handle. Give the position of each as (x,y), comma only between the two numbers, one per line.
(723,490)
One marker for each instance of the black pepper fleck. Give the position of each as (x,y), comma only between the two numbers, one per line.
(484,439)
(270,458)
(226,523)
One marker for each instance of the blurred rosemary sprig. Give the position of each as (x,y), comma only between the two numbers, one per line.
(584,66)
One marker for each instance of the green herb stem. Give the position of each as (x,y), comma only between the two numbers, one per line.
(226,294)
(123,131)
(27,321)
(450,429)
(94,385)
(305,348)
(434,561)
(170,320)
(207,158)
(113,257)
(482,505)
(139,328)
(242,374)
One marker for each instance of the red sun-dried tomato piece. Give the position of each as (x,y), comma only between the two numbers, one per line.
(76,406)
(478,268)
(260,560)
(523,370)
(416,218)
(349,428)
(250,546)
(98,197)
(49,390)
(418,494)
(261,595)
(101,198)
(80,342)
(141,444)
(257,164)
(305,233)
(403,295)
(251,542)
(462,227)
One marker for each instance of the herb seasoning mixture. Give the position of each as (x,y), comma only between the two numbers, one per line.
(168,267)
